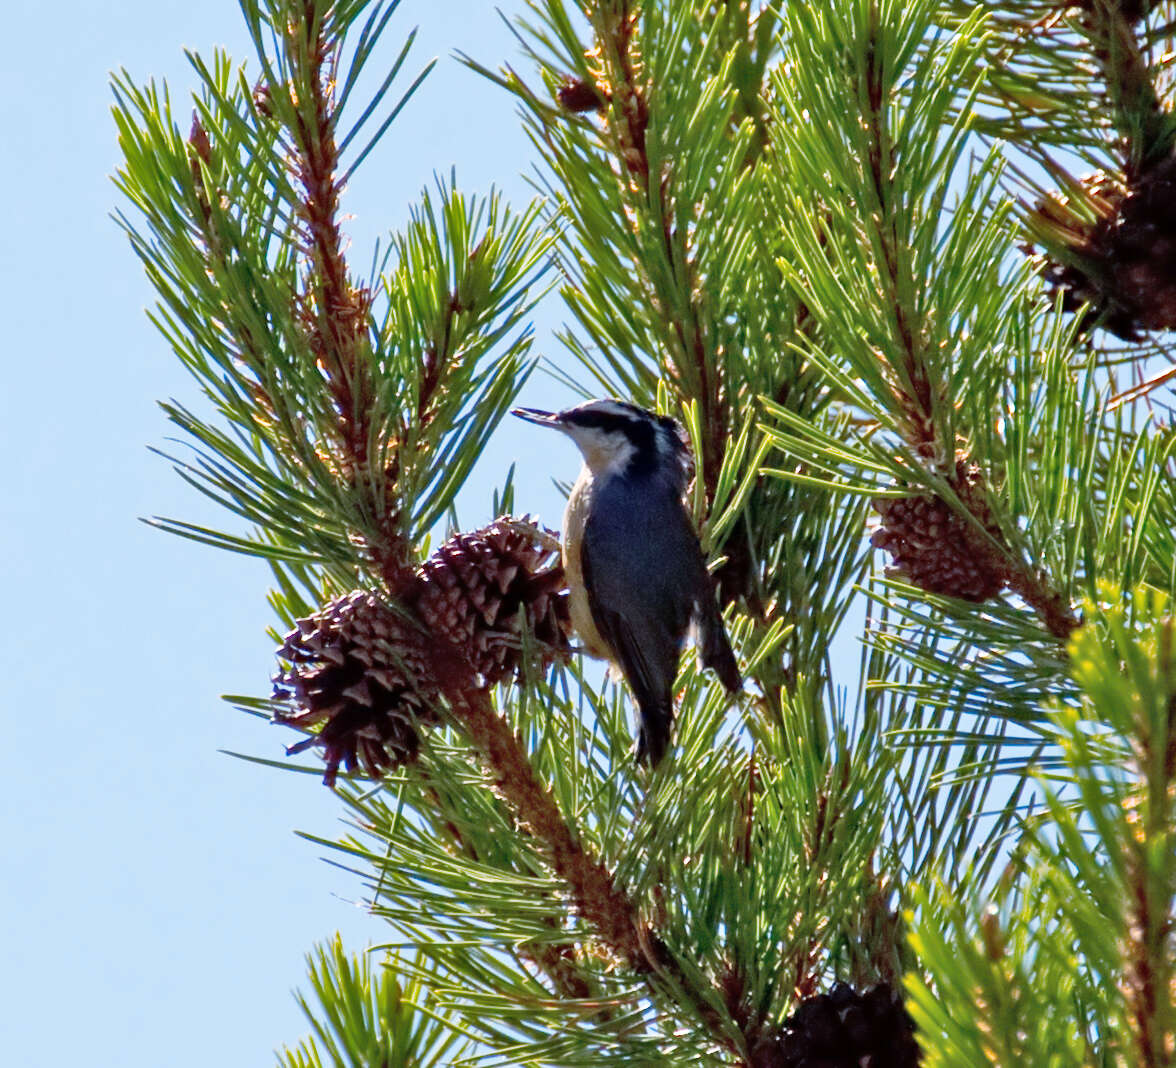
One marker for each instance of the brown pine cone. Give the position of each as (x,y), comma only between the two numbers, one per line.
(1114,248)
(929,543)
(843,1029)
(360,671)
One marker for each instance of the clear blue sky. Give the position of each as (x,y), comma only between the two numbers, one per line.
(157,904)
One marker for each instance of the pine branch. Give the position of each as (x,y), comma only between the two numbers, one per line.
(217,244)
(1143,122)
(652,192)
(1070,955)
(1097,74)
(335,311)
(1089,78)
(594,892)
(366,1016)
(918,396)
(912,376)
(557,959)
(730,989)
(914,390)
(649,191)
(1149,873)
(595,895)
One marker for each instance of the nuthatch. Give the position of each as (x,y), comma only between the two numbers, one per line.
(632,560)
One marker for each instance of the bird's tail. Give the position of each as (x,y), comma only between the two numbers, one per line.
(715,647)
(653,736)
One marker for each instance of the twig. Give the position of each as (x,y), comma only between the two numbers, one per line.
(556,960)
(336,312)
(593,890)
(914,389)
(629,120)
(1147,957)
(1139,114)
(1142,389)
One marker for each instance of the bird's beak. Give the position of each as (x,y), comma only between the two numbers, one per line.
(534,415)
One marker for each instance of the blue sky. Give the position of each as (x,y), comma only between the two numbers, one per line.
(157,902)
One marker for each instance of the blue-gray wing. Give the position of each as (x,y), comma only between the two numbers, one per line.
(641,566)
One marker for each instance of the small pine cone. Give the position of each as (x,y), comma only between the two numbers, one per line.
(1115,251)
(263,98)
(358,669)
(843,1029)
(577,95)
(1130,10)
(929,545)
(198,143)
(471,590)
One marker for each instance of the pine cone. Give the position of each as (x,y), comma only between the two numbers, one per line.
(359,669)
(1115,250)
(471,590)
(843,1029)
(577,95)
(1130,10)
(928,542)
(362,671)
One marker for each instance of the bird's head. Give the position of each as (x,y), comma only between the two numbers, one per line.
(616,437)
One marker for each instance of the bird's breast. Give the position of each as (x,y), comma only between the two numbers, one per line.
(575,518)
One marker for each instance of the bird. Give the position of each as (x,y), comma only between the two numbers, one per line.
(636,576)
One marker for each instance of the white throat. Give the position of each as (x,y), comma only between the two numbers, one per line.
(604,454)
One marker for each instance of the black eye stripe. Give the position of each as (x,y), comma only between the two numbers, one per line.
(622,414)
(637,423)
(599,420)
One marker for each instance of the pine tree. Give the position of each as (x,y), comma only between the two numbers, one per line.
(921,365)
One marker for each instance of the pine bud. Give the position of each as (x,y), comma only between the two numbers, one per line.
(578,95)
